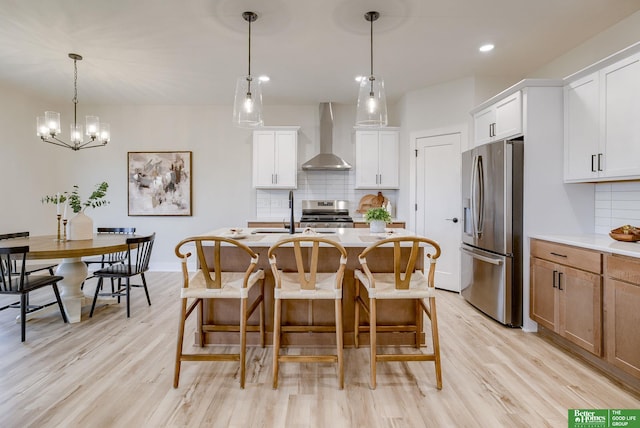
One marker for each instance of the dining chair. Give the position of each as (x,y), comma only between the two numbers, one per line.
(110,258)
(405,282)
(31,268)
(307,284)
(136,263)
(21,283)
(211,282)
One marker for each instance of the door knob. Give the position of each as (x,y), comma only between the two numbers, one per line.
(455,219)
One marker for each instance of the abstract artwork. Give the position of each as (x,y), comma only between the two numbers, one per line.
(159,183)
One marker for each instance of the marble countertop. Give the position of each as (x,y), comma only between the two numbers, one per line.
(348,237)
(596,242)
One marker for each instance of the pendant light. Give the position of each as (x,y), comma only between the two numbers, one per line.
(48,126)
(372,102)
(247,107)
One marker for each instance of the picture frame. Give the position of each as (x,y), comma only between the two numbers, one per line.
(159,183)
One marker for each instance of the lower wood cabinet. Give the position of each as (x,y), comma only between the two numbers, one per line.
(566,293)
(393,225)
(622,298)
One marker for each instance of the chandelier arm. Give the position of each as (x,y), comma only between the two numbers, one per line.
(57,142)
(84,146)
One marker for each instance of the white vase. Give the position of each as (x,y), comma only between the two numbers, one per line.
(80,227)
(377,226)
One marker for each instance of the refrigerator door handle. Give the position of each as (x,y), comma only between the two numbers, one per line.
(480,257)
(477,196)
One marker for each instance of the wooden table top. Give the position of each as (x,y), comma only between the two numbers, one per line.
(47,247)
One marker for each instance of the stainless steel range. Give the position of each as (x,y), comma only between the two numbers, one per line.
(328,213)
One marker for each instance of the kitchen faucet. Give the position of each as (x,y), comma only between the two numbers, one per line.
(292,227)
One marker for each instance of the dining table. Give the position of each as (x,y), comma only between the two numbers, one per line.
(71,267)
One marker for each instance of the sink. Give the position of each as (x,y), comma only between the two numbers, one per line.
(286,231)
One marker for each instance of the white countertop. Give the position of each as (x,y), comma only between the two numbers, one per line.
(348,237)
(602,243)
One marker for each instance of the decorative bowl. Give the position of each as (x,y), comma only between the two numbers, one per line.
(626,233)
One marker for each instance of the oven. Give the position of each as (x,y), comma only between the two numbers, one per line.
(325,214)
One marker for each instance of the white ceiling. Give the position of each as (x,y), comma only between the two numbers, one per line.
(191,51)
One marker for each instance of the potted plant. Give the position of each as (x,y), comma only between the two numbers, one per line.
(80,226)
(377,219)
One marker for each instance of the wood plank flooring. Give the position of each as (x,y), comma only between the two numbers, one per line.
(110,371)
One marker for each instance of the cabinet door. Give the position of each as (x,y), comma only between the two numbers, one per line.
(264,167)
(582,129)
(508,117)
(286,159)
(483,123)
(543,306)
(367,160)
(581,308)
(623,319)
(388,176)
(621,104)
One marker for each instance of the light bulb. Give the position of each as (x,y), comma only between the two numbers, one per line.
(372,104)
(248,103)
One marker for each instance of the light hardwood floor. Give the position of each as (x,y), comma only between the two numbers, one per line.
(113,371)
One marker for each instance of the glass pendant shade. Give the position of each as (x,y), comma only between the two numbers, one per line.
(247,107)
(105,133)
(372,103)
(76,133)
(52,120)
(93,126)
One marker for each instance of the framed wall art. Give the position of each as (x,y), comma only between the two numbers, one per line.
(159,183)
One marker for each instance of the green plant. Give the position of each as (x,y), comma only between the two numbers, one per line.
(96,199)
(377,214)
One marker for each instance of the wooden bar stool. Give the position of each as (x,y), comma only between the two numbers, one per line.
(210,282)
(307,285)
(403,283)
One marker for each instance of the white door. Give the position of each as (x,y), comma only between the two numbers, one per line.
(438,201)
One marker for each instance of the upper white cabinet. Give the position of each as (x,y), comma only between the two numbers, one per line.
(275,157)
(602,129)
(377,156)
(499,121)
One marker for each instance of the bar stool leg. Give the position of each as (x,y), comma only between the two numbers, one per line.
(276,340)
(372,337)
(339,342)
(176,373)
(243,340)
(356,327)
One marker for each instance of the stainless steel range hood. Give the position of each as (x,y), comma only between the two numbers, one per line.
(326,160)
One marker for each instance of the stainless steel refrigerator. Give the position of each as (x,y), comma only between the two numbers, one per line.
(492,230)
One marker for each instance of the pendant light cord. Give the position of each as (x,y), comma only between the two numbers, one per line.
(75,93)
(371,38)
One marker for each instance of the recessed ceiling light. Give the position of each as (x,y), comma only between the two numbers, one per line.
(264,78)
(486,48)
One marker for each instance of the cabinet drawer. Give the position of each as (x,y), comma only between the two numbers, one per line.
(624,268)
(578,258)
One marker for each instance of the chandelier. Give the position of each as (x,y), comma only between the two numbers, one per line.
(247,106)
(372,102)
(48,126)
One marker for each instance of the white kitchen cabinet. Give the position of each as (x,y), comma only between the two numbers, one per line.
(275,157)
(501,120)
(602,130)
(582,128)
(377,158)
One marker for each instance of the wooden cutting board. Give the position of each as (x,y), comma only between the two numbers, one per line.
(371,201)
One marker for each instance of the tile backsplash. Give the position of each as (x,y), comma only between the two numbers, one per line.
(274,204)
(616,204)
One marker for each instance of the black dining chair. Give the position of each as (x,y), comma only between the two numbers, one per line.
(21,283)
(110,258)
(136,263)
(31,268)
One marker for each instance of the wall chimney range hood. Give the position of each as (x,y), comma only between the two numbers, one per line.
(326,160)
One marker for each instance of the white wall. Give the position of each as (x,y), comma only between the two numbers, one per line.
(438,106)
